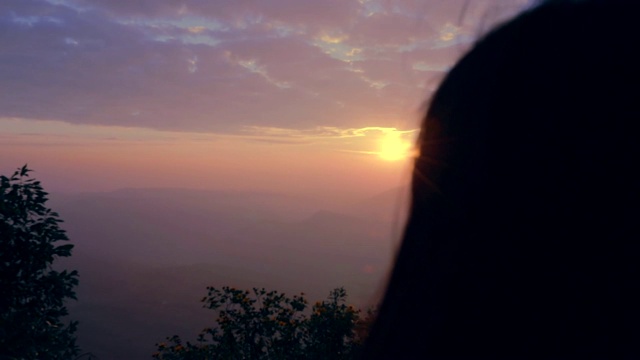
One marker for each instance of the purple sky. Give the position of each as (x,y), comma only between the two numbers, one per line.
(270,71)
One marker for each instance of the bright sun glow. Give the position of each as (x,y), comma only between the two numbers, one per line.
(393,147)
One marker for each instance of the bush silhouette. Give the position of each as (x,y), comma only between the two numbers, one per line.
(32,294)
(258,324)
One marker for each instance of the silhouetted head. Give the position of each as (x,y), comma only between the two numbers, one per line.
(524,229)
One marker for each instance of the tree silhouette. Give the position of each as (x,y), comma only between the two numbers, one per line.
(258,324)
(32,294)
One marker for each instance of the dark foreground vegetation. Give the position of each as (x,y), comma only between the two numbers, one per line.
(246,324)
(257,324)
(32,294)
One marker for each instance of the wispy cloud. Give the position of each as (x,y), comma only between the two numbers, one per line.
(327,132)
(224,66)
(385,142)
(254,67)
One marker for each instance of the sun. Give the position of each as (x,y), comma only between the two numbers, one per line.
(394,148)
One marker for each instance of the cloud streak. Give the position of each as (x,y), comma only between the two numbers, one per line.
(326,132)
(226,66)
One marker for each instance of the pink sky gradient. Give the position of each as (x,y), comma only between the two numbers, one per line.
(273,95)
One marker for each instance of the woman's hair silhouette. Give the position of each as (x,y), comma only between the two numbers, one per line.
(523,238)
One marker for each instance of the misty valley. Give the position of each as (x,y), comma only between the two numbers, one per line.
(146,256)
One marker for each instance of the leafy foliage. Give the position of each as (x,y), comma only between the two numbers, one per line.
(269,325)
(32,294)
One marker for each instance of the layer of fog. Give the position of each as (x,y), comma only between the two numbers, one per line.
(145,256)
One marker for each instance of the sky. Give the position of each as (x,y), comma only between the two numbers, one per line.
(292,96)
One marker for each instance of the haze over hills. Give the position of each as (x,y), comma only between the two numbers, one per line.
(146,256)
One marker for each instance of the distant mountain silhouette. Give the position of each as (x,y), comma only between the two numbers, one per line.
(389,206)
(145,256)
